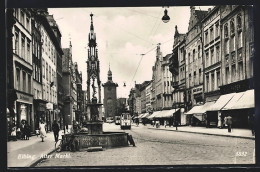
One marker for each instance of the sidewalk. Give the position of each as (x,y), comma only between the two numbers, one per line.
(23,153)
(235,132)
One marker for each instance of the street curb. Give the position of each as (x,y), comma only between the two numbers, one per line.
(243,137)
(35,162)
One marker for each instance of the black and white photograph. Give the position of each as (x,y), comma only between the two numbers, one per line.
(130,86)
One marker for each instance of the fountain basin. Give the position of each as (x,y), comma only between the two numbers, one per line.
(106,139)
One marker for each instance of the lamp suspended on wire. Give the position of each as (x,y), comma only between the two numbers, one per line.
(124,85)
(165,18)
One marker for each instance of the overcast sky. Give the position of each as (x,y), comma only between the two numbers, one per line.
(123,34)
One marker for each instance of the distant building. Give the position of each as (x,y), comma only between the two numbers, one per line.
(110,96)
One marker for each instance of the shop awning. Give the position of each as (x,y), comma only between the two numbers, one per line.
(145,115)
(194,110)
(206,106)
(154,114)
(247,100)
(221,102)
(233,101)
(198,116)
(169,113)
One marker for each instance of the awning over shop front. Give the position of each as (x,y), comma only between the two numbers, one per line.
(247,100)
(154,114)
(194,110)
(145,115)
(169,113)
(198,116)
(233,101)
(221,102)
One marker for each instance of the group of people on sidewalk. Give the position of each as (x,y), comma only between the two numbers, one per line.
(55,129)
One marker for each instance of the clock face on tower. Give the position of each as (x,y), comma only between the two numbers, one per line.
(92,58)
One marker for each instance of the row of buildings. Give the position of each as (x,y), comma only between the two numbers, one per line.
(43,82)
(214,58)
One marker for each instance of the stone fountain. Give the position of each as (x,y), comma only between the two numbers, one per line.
(95,137)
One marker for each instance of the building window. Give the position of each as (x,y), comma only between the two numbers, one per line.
(34,73)
(212,82)
(28,51)
(199,51)
(28,23)
(193,55)
(16,46)
(217,29)
(227,47)
(50,73)
(200,76)
(207,83)
(206,38)
(22,18)
(207,59)
(18,79)
(217,54)
(29,84)
(218,79)
(189,80)
(240,40)
(189,61)
(232,27)
(226,31)
(233,58)
(194,78)
(227,76)
(23,47)
(47,78)
(240,68)
(24,82)
(43,68)
(239,22)
(212,56)
(211,34)
(232,43)
(233,71)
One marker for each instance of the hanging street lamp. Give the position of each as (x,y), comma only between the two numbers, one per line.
(165,18)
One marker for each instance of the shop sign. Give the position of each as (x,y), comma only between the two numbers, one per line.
(197,90)
(49,106)
(24,98)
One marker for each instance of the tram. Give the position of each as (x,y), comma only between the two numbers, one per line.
(125,121)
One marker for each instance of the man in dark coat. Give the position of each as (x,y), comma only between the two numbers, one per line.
(55,129)
(229,123)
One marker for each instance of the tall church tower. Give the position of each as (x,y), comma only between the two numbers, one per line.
(110,97)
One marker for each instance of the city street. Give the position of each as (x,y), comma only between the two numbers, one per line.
(159,147)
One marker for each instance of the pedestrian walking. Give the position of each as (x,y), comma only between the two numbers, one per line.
(219,121)
(22,128)
(42,130)
(229,123)
(27,130)
(55,129)
(153,123)
(165,123)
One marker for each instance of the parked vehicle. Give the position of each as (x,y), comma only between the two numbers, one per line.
(125,122)
(117,120)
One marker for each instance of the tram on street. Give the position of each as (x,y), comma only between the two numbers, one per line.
(125,121)
(117,120)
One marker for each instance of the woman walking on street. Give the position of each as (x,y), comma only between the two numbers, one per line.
(42,130)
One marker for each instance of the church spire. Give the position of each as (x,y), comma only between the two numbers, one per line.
(109,74)
(176,31)
(92,34)
(91,25)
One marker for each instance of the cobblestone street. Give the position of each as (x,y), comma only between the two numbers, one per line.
(158,147)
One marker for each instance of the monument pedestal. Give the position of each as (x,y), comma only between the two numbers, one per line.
(95,127)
